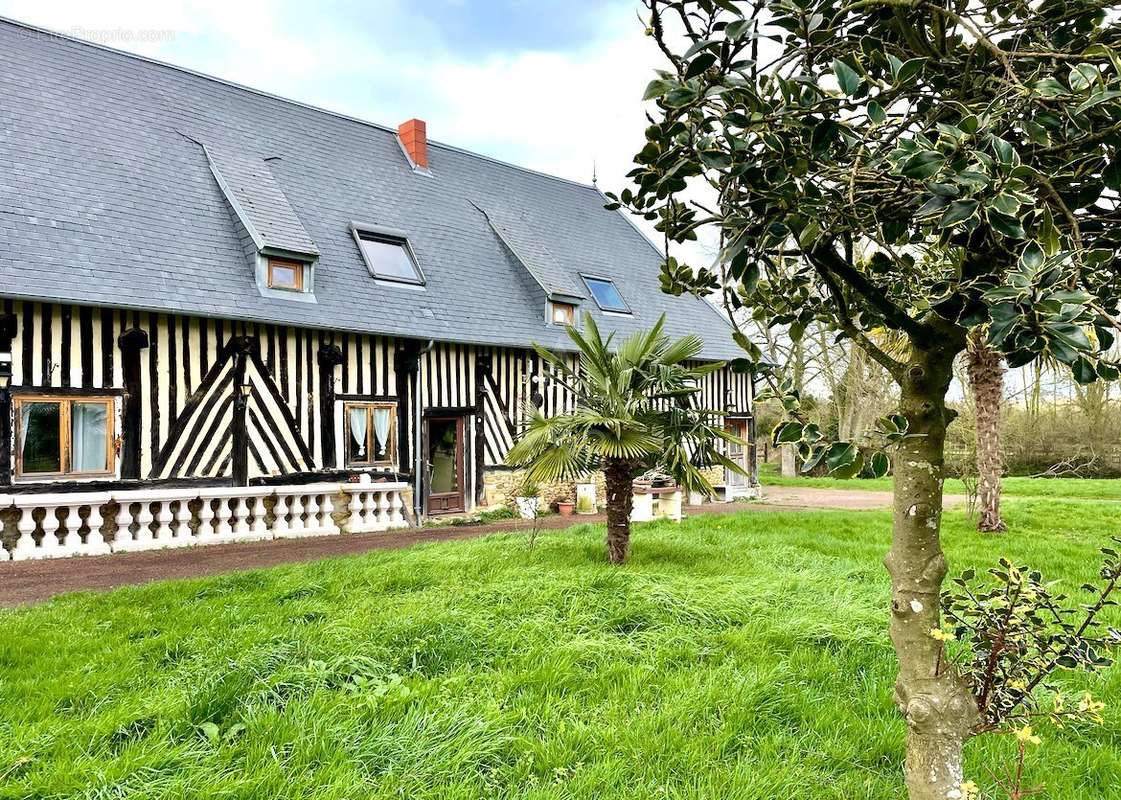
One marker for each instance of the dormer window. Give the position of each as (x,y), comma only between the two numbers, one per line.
(287,275)
(606,294)
(562,313)
(389,257)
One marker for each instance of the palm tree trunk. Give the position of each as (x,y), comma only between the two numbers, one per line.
(620,491)
(986,382)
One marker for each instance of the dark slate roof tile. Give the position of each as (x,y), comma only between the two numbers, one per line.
(100,168)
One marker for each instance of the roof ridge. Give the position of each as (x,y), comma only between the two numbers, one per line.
(281,98)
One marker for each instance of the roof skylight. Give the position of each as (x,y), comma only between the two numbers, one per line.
(606,294)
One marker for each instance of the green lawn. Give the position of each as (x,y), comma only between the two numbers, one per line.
(735,657)
(1070,488)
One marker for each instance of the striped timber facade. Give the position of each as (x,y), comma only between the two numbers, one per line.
(221,402)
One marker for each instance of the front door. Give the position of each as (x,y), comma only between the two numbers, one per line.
(445,465)
(737,452)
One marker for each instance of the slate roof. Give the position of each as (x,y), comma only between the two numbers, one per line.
(107,198)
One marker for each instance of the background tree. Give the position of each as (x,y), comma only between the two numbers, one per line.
(968,152)
(632,413)
(985,368)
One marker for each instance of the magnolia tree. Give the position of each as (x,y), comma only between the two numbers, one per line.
(904,171)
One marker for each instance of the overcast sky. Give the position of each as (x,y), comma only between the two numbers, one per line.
(554,85)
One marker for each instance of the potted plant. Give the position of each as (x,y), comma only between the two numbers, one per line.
(528,500)
(586,496)
(565,507)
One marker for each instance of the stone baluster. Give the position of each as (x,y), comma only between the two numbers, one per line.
(207,534)
(280,511)
(311,507)
(396,517)
(370,509)
(222,514)
(49,546)
(25,545)
(326,510)
(241,525)
(71,529)
(259,528)
(95,539)
(182,524)
(296,524)
(144,519)
(163,517)
(123,539)
(383,510)
(354,521)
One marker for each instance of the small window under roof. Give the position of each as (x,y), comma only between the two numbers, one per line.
(389,258)
(606,294)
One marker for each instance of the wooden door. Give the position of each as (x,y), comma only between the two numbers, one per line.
(737,452)
(444,442)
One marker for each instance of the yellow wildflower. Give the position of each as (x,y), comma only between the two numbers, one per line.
(970,790)
(941,635)
(1025,735)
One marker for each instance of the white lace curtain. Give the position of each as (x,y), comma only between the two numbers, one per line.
(358,430)
(87,437)
(381,429)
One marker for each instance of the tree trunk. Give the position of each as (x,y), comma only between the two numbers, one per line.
(986,382)
(936,703)
(617,475)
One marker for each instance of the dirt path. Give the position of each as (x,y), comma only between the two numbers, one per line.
(24,582)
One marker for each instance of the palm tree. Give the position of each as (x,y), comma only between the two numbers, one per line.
(631,414)
(986,383)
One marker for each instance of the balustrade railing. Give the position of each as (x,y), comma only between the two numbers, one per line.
(96,523)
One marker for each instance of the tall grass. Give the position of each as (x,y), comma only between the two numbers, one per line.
(739,657)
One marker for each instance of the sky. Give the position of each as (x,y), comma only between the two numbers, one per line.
(554,85)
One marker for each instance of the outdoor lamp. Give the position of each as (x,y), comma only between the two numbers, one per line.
(246,389)
(5,370)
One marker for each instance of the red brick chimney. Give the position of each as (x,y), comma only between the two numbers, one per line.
(414,138)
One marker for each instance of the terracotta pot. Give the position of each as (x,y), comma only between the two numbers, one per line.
(566,509)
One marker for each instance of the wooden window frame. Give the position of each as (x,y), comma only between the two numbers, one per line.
(391,446)
(64,443)
(570,313)
(296,266)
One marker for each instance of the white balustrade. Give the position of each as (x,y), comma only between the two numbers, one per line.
(49,543)
(305,510)
(66,524)
(239,514)
(374,506)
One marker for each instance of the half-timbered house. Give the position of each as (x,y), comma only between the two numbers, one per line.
(218,306)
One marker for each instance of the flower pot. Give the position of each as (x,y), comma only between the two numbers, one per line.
(528,506)
(565,509)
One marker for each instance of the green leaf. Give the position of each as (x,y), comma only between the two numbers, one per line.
(787,432)
(880,464)
(1070,334)
(848,79)
(958,211)
(1083,371)
(1032,256)
(923,164)
(907,69)
(1083,76)
(1008,226)
(656,88)
(1096,99)
(840,455)
(876,113)
(699,64)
